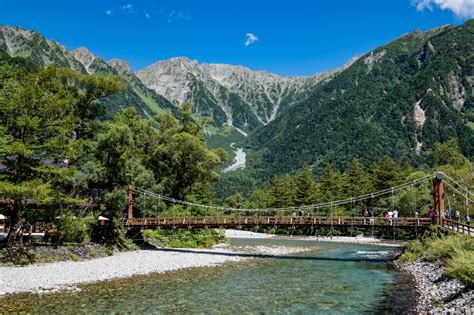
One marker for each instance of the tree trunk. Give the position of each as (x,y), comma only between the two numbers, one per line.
(14,226)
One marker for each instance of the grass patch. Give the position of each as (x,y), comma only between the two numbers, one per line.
(108,251)
(73,257)
(461,266)
(443,248)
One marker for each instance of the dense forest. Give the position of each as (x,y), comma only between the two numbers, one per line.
(302,188)
(59,157)
(398,100)
(368,110)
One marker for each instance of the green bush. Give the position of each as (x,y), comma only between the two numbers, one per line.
(20,256)
(73,257)
(461,267)
(108,251)
(71,229)
(198,238)
(415,247)
(407,257)
(442,248)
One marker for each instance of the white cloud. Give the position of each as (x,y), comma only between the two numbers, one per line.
(128,7)
(147,15)
(461,8)
(174,16)
(251,38)
(109,12)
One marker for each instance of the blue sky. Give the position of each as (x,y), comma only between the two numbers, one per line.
(288,37)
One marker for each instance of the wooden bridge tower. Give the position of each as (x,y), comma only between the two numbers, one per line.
(438,196)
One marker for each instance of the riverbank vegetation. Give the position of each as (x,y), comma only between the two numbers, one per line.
(196,238)
(454,251)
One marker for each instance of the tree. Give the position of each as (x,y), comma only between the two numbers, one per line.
(304,186)
(90,89)
(38,116)
(181,159)
(358,181)
(447,153)
(282,192)
(386,173)
(235,201)
(331,185)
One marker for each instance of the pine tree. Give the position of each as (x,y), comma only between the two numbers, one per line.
(386,173)
(38,117)
(304,186)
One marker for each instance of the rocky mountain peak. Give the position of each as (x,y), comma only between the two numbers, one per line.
(120,65)
(84,56)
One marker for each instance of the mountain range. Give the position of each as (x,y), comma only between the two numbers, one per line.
(397,100)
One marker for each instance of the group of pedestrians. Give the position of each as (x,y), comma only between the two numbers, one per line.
(391,216)
(456,216)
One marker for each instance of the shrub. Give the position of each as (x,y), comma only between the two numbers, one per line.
(198,238)
(442,248)
(407,257)
(73,230)
(73,257)
(20,256)
(461,267)
(125,242)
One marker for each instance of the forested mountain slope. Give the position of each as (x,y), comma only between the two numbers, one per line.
(398,100)
(36,49)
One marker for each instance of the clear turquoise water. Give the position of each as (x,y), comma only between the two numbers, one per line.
(332,278)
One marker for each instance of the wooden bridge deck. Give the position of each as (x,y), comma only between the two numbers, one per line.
(458,227)
(274,221)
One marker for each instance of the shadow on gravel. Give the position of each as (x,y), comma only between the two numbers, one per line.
(247,255)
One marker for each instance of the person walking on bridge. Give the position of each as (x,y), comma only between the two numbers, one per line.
(447,214)
(395,216)
(301,215)
(457,216)
(371,215)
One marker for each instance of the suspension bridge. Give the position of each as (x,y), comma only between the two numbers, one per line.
(290,217)
(273,218)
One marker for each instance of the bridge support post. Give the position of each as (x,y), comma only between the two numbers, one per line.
(130,204)
(438,196)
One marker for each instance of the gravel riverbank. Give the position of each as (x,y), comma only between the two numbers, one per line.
(338,239)
(436,293)
(52,277)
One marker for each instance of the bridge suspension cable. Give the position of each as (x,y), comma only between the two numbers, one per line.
(459,185)
(460,193)
(379,193)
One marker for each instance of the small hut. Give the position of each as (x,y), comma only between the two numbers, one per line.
(102,220)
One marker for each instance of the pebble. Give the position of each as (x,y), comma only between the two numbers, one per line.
(53,277)
(435,290)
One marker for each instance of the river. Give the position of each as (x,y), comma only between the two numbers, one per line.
(333,278)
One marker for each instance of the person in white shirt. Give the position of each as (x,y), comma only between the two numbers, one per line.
(395,217)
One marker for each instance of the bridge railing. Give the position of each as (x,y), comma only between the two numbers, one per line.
(213,221)
(458,227)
